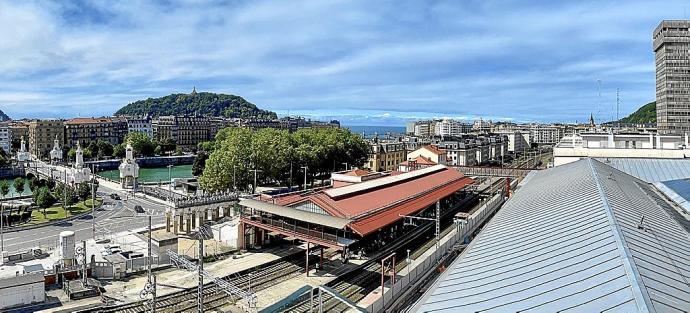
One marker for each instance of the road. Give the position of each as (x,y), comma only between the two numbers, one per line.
(114,216)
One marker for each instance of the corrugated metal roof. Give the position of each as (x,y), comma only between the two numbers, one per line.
(568,241)
(651,170)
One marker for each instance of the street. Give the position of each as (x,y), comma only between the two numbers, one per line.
(115,215)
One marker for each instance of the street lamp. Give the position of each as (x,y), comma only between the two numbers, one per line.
(169,181)
(408,262)
(305,177)
(345,165)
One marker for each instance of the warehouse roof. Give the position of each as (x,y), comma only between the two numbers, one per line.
(581,237)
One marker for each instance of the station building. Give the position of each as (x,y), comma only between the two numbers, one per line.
(360,208)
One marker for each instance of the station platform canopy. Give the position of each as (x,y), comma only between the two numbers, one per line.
(370,205)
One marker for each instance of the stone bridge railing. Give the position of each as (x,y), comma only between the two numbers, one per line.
(187,202)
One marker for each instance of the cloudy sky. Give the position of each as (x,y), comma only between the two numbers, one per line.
(363,62)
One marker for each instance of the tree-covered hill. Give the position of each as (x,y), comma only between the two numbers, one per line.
(4,117)
(644,115)
(201,104)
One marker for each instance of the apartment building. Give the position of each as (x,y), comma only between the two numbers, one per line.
(87,130)
(42,133)
(141,124)
(186,131)
(5,141)
(386,156)
(671,43)
(449,127)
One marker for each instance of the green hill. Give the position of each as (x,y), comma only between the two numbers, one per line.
(644,115)
(4,117)
(200,104)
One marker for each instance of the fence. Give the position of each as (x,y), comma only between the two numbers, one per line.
(412,275)
(492,171)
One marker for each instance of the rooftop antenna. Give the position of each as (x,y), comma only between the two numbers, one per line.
(618,101)
(599,95)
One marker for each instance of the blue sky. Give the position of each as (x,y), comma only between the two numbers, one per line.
(362,62)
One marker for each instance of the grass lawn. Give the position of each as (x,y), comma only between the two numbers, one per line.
(57,212)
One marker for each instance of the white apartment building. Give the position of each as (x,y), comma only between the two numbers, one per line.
(449,127)
(5,141)
(140,124)
(518,141)
(601,145)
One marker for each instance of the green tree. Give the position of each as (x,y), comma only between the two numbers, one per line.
(35,183)
(141,143)
(200,104)
(199,163)
(44,198)
(207,146)
(93,147)
(19,184)
(167,145)
(71,197)
(16,144)
(231,156)
(4,188)
(84,190)
(119,151)
(105,148)
(274,152)
(72,154)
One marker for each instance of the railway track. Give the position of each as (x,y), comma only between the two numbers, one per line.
(362,280)
(186,300)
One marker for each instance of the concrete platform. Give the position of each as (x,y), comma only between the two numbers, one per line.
(172,280)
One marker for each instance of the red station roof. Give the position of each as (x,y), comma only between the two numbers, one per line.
(379,202)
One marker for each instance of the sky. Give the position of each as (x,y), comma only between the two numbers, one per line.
(361,62)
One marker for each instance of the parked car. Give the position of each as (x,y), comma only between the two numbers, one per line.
(138,209)
(114,196)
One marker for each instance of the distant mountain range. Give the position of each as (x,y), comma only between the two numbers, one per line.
(197,104)
(644,115)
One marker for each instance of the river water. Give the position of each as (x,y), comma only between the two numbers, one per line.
(156,174)
(13,193)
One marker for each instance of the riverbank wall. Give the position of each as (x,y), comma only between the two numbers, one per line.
(104,165)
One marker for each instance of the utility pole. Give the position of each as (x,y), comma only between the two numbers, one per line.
(64,191)
(169,181)
(254,186)
(84,260)
(305,177)
(234,184)
(200,287)
(93,201)
(290,175)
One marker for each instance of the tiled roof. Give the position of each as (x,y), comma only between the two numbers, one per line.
(89,120)
(434,149)
(380,201)
(358,172)
(420,161)
(570,240)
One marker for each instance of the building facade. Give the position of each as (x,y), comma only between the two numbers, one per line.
(5,141)
(140,124)
(18,130)
(87,130)
(186,131)
(671,42)
(386,156)
(42,133)
(448,127)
